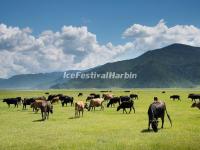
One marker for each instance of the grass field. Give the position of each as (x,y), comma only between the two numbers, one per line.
(100,130)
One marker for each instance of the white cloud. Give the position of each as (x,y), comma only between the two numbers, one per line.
(70,48)
(77,48)
(160,35)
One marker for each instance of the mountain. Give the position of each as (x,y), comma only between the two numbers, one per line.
(176,65)
(33,81)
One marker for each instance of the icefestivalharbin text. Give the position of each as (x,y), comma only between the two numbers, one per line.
(95,75)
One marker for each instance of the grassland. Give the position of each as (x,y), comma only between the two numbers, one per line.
(100,130)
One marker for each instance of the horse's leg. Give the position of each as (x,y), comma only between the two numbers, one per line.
(102,107)
(125,110)
(149,125)
(162,119)
(42,115)
(79,113)
(47,114)
(75,112)
(133,108)
(130,110)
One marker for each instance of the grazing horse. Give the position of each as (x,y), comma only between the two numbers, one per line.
(157,110)
(95,95)
(126,104)
(89,97)
(44,106)
(124,98)
(53,97)
(79,107)
(127,91)
(174,97)
(80,94)
(113,101)
(55,100)
(45,109)
(194,97)
(36,105)
(28,101)
(104,91)
(134,96)
(196,105)
(14,101)
(97,102)
(107,96)
(66,99)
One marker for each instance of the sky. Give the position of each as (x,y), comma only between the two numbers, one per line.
(58,35)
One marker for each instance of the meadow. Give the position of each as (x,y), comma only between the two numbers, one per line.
(100,130)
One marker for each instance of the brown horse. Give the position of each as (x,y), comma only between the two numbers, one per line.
(44,106)
(79,108)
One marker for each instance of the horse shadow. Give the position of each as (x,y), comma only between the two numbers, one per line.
(39,120)
(74,117)
(150,131)
(146,131)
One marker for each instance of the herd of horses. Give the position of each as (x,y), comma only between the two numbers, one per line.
(156,110)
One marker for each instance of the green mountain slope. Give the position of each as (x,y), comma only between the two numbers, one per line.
(176,65)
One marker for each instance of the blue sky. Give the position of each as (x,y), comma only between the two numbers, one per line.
(58,35)
(106,18)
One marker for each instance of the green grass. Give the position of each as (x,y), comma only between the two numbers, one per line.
(100,130)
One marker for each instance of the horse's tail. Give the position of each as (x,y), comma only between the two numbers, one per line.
(168,116)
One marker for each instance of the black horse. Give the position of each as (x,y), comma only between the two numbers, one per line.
(67,99)
(157,110)
(174,97)
(194,97)
(113,101)
(126,104)
(14,101)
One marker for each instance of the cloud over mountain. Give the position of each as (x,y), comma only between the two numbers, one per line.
(160,35)
(77,48)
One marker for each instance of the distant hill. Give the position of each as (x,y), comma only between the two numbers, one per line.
(33,81)
(176,65)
